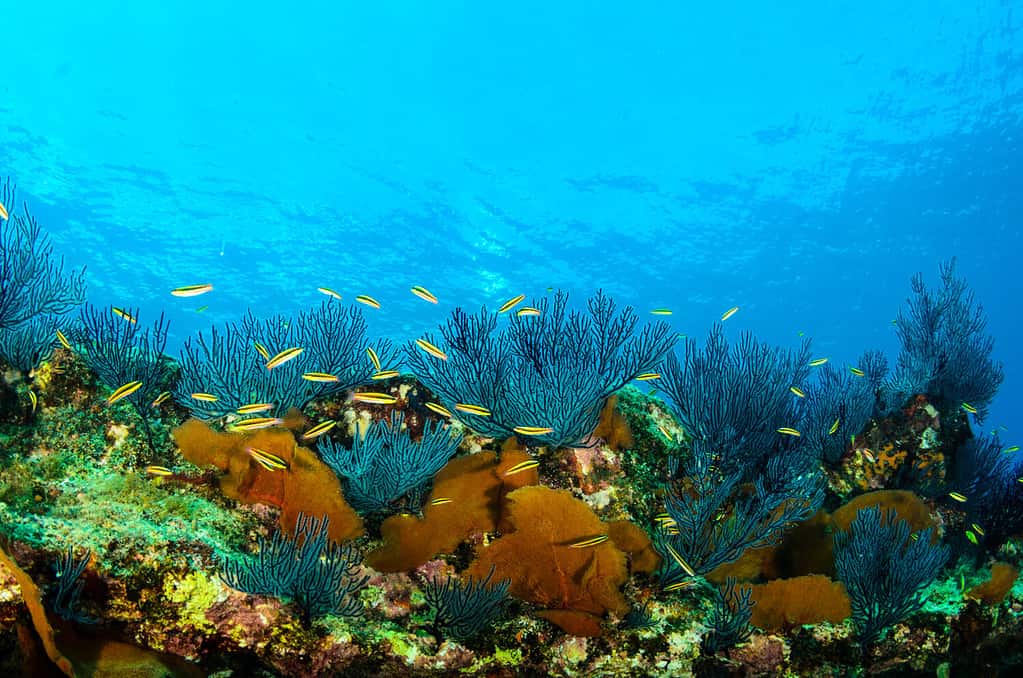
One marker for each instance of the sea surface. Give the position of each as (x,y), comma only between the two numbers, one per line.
(799,161)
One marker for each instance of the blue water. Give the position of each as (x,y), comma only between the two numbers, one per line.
(801,163)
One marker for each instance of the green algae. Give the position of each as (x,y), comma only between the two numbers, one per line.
(195,593)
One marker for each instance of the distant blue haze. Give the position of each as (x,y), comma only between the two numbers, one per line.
(801,162)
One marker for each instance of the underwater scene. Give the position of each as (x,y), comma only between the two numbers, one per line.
(511,339)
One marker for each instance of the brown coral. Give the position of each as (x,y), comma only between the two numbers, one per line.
(994,590)
(811,599)
(545,568)
(476,486)
(306,486)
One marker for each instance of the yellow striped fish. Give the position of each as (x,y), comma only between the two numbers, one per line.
(192,290)
(647,376)
(511,303)
(253,424)
(817,362)
(268,460)
(588,542)
(3,212)
(533,430)
(204,397)
(661,311)
(680,585)
(319,429)
(124,391)
(729,313)
(63,340)
(319,376)
(969,408)
(283,357)
(478,410)
(440,501)
(522,466)
(424,294)
(431,349)
(121,313)
(33,399)
(261,350)
(857,371)
(254,407)
(958,496)
(373,358)
(681,561)
(161,471)
(834,427)
(386,374)
(160,399)
(368,300)
(789,431)
(329,292)
(527,311)
(797,391)
(374,398)
(439,409)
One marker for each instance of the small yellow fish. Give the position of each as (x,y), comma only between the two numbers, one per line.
(368,300)
(201,308)
(789,431)
(373,358)
(478,410)
(160,399)
(205,397)
(121,313)
(192,290)
(424,294)
(857,371)
(533,430)
(664,432)
(977,529)
(283,357)
(319,429)
(915,536)
(958,496)
(374,398)
(124,391)
(647,376)
(386,374)
(33,399)
(817,362)
(661,311)
(268,460)
(522,466)
(3,212)
(680,585)
(431,349)
(869,455)
(63,340)
(797,391)
(588,542)
(969,408)
(254,407)
(681,562)
(161,471)
(527,311)
(729,313)
(1014,448)
(329,292)
(439,409)
(511,303)
(972,537)
(440,501)
(319,376)
(261,350)
(253,424)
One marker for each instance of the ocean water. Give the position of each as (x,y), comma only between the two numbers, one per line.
(800,162)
